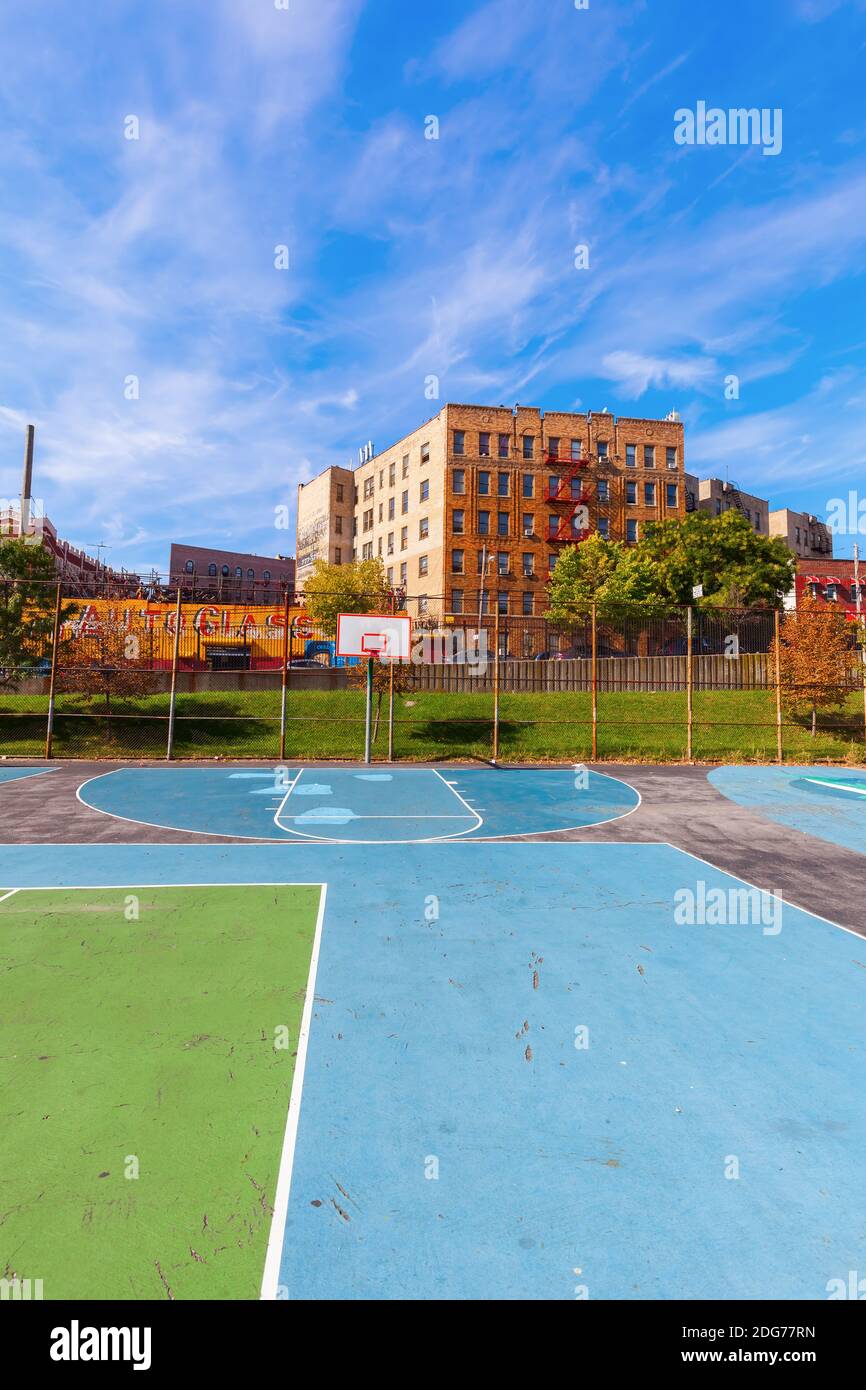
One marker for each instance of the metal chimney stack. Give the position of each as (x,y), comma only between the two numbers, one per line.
(27,480)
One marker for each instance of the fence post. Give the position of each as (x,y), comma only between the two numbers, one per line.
(778,683)
(169,752)
(49,729)
(689,683)
(594,682)
(391,714)
(496,685)
(287,656)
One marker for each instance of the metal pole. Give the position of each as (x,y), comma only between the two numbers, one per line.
(287,656)
(49,731)
(689,683)
(169,751)
(496,686)
(368,714)
(594,683)
(391,715)
(483,577)
(778,649)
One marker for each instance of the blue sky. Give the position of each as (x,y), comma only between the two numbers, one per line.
(410,257)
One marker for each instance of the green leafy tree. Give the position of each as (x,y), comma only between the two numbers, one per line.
(736,566)
(27,600)
(359,587)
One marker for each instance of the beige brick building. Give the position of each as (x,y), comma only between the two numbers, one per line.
(806,535)
(470,511)
(715,496)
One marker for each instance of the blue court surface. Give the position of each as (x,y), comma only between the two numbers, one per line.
(828,802)
(361,805)
(14,774)
(523,1078)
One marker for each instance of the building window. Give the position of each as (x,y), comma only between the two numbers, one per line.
(483,483)
(551,563)
(368,519)
(671,456)
(502,450)
(529,485)
(211,569)
(649,494)
(631,456)
(479,562)
(390,575)
(391,506)
(338,556)
(631,492)
(528,524)
(251,574)
(649,455)
(425,489)
(338,525)
(404,572)
(457,521)
(602,451)
(266,576)
(381,477)
(457,557)
(367,550)
(392,474)
(239,571)
(423,528)
(502,523)
(604,528)
(190,567)
(603,490)
(422,564)
(502,484)
(484,445)
(484,523)
(576,450)
(404,470)
(425,453)
(225,571)
(528,446)
(456,600)
(527,605)
(339,492)
(404,537)
(671,492)
(484,603)
(528,564)
(368,487)
(631,530)
(553,525)
(390,542)
(459,442)
(458,481)
(502,562)
(404,502)
(576,489)
(502,601)
(553,447)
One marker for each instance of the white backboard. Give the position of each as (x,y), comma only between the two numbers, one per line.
(384,636)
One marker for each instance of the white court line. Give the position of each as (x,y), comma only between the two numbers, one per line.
(285,799)
(9,894)
(270,1278)
(837,786)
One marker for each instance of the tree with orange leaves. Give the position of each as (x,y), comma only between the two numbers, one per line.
(816,660)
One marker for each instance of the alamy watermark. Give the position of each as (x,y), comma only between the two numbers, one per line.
(702,906)
(738,125)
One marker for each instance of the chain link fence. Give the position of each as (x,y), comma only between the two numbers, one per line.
(692,684)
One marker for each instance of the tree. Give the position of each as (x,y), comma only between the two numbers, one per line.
(106,664)
(28,595)
(816,660)
(358,587)
(357,676)
(580,577)
(735,565)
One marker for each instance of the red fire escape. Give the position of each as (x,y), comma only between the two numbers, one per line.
(571,498)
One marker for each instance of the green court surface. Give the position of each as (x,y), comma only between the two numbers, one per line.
(148,1030)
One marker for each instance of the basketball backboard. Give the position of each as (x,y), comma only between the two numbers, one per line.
(385,636)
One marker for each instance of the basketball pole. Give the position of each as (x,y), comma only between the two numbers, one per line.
(368,721)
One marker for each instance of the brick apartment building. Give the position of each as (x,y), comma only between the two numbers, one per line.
(716,497)
(840,584)
(469,512)
(233,575)
(806,535)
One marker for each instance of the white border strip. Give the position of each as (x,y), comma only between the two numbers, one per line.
(273,1258)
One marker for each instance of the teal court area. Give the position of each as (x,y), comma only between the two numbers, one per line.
(524,1075)
(826,802)
(361,805)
